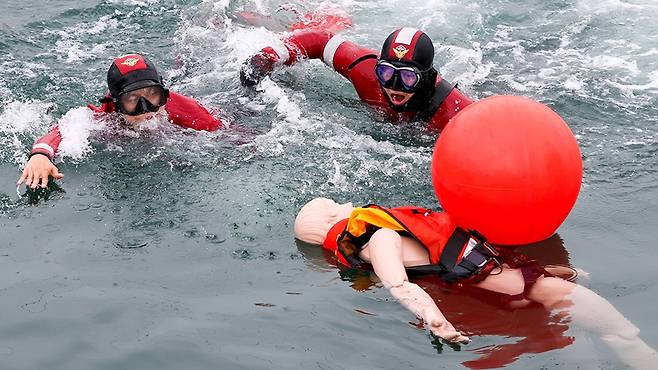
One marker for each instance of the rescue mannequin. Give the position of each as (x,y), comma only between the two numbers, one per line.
(389,254)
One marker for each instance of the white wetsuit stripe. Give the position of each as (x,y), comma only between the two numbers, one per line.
(330,50)
(405,36)
(46,147)
(282,51)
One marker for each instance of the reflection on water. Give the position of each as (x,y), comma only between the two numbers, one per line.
(476,312)
(34,196)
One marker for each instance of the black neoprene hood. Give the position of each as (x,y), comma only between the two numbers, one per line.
(128,78)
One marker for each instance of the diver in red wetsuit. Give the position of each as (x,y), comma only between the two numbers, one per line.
(136,93)
(401,81)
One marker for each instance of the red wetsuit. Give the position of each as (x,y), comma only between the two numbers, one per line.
(357,64)
(182,110)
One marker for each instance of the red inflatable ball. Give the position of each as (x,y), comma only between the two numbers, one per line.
(508,167)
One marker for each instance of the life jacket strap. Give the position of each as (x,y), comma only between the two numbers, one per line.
(453,248)
(458,263)
(443,89)
(331,241)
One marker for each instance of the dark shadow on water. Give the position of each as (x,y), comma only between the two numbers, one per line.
(317,258)
(34,196)
(547,252)
(438,344)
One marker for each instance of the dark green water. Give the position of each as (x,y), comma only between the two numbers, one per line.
(174,249)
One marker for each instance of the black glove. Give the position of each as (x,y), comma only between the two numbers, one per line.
(255,69)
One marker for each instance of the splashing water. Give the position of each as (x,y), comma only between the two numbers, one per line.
(170,237)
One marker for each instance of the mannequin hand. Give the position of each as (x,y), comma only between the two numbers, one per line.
(440,327)
(420,303)
(37,170)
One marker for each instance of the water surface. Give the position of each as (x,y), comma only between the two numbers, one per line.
(174,249)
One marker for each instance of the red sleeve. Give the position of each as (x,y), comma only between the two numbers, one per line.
(189,113)
(362,76)
(333,50)
(49,143)
(453,104)
(343,56)
(354,62)
(307,44)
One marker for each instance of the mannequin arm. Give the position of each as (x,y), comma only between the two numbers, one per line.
(385,254)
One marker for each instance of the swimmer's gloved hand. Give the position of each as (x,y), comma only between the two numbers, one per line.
(256,68)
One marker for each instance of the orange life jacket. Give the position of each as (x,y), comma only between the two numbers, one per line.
(433,230)
(455,254)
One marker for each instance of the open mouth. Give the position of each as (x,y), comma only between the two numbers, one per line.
(397,98)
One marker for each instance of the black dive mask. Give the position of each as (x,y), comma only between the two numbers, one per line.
(145,100)
(398,78)
(409,79)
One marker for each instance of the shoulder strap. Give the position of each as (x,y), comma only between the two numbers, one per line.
(443,89)
(453,248)
(449,256)
(454,266)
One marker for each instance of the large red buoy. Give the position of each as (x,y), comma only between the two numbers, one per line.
(508,167)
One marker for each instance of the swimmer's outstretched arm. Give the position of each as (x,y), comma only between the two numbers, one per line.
(385,253)
(302,44)
(40,166)
(312,43)
(591,311)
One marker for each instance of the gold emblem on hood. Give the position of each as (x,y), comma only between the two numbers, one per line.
(400,51)
(130,62)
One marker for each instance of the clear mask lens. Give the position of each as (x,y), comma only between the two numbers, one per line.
(145,100)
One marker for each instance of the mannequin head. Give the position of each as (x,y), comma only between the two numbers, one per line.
(318,216)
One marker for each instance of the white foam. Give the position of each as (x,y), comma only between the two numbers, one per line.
(606,6)
(375,158)
(614,63)
(572,83)
(650,52)
(20,117)
(76,126)
(338,180)
(518,86)
(651,86)
(635,142)
(134,2)
(546,72)
(75,49)
(289,127)
(467,66)
(252,105)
